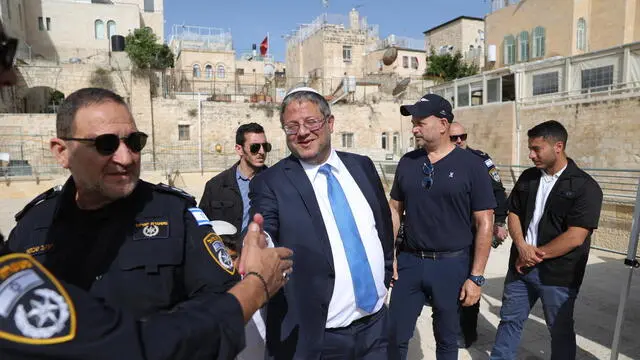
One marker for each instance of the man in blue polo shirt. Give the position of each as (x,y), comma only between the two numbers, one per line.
(444,191)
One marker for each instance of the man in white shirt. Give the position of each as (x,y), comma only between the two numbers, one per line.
(330,208)
(548,263)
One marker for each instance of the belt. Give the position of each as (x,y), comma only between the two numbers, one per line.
(435,255)
(361,321)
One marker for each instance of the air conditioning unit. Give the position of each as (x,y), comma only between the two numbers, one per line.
(492,53)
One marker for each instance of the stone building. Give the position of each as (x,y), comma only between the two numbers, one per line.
(410,61)
(76,31)
(464,34)
(522,31)
(207,63)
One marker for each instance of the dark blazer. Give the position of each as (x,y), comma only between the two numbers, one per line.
(574,200)
(283,194)
(222,200)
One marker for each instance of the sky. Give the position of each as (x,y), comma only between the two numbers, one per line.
(251,20)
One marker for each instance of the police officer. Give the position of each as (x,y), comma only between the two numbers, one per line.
(144,248)
(469,315)
(44,318)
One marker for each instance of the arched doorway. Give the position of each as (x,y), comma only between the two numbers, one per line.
(42,100)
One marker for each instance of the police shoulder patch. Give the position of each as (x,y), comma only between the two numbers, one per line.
(200,216)
(54,191)
(494,174)
(218,251)
(34,307)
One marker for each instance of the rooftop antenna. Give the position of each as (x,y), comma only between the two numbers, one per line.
(325,3)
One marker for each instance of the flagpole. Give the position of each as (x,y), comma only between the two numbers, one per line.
(268,39)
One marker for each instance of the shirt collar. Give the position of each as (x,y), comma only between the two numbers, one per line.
(239,175)
(548,178)
(312,169)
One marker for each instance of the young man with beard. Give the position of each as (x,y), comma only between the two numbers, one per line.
(553,209)
(226,195)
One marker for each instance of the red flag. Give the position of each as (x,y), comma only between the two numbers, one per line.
(264,45)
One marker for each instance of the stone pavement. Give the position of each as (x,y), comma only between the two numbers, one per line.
(595,314)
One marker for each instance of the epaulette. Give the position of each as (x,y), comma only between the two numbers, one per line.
(480,153)
(175,191)
(54,191)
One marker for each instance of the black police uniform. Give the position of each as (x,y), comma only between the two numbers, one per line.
(78,326)
(151,253)
(469,315)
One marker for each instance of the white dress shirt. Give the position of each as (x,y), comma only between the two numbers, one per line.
(546,184)
(342,307)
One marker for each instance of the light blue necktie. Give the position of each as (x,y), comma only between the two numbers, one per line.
(363,284)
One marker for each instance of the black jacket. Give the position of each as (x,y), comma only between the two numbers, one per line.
(501,210)
(148,254)
(574,200)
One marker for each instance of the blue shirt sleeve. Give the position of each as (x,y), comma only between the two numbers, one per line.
(396,191)
(482,197)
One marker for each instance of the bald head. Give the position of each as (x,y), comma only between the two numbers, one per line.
(458,135)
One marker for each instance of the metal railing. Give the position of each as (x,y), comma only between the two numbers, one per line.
(619,89)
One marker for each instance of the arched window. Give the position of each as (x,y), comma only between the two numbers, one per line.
(208,71)
(99,29)
(196,71)
(509,50)
(523,44)
(581,37)
(220,71)
(538,42)
(384,140)
(111,29)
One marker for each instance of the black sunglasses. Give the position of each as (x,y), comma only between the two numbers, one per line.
(8,48)
(254,148)
(427,170)
(107,144)
(462,137)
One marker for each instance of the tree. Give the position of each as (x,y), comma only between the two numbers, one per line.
(448,67)
(145,52)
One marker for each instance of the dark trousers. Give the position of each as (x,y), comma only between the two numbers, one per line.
(469,321)
(366,339)
(420,279)
(520,295)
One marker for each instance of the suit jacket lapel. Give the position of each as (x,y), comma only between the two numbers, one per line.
(294,171)
(362,181)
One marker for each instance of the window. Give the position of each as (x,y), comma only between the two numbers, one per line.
(380,65)
(396,145)
(346,53)
(149,5)
(463,95)
(597,79)
(493,90)
(240,71)
(545,83)
(48,24)
(581,36)
(509,50)
(405,62)
(385,139)
(20,13)
(183,132)
(208,71)
(196,71)
(538,42)
(111,28)
(523,44)
(220,72)
(414,62)
(40,23)
(99,29)
(347,140)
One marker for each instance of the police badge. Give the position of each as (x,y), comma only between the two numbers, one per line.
(219,253)
(34,307)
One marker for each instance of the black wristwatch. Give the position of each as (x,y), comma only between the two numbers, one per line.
(478,280)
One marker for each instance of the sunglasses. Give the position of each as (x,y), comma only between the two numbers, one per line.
(427,170)
(462,137)
(254,148)
(8,48)
(107,144)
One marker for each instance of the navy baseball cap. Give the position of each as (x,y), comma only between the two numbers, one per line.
(430,104)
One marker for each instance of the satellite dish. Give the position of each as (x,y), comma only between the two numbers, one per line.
(390,56)
(401,87)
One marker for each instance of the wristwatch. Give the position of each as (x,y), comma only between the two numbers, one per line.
(478,280)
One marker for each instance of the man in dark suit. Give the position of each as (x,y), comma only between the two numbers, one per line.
(226,195)
(333,307)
